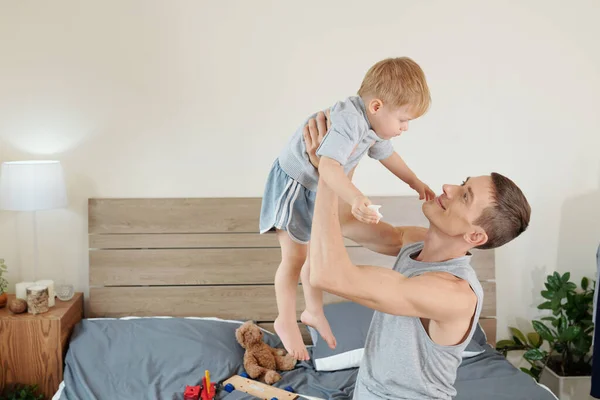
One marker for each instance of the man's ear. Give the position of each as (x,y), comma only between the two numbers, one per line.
(476,237)
(375,105)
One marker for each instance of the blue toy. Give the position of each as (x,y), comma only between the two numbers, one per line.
(229,388)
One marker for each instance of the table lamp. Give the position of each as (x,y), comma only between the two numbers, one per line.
(32,186)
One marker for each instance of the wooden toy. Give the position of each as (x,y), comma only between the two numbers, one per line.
(258,389)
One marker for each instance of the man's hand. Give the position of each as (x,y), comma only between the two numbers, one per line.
(424,191)
(313,133)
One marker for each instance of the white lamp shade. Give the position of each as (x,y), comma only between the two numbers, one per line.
(32,186)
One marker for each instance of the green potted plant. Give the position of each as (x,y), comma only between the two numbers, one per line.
(21,392)
(3,284)
(558,349)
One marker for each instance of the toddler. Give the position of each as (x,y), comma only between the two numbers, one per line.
(393,92)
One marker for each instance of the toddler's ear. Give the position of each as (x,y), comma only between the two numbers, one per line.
(375,105)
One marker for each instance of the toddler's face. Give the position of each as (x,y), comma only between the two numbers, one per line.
(390,121)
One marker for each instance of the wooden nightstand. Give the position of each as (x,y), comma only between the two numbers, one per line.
(32,347)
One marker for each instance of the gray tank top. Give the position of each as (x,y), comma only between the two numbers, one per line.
(400,360)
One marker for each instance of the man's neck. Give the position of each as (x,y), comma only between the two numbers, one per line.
(438,248)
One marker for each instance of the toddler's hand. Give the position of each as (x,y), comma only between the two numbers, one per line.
(362,212)
(424,191)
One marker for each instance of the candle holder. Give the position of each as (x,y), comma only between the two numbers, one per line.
(65,292)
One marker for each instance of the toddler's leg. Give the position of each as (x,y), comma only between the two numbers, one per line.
(313,314)
(293,256)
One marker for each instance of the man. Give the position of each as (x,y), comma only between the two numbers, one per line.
(428,305)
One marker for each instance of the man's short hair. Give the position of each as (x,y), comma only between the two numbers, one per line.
(507,217)
(399,81)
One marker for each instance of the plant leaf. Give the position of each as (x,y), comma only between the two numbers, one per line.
(535,339)
(518,341)
(533,355)
(570,286)
(564,323)
(516,332)
(528,372)
(543,330)
(547,294)
(505,343)
(547,305)
(570,333)
(587,322)
(566,276)
(555,302)
(554,282)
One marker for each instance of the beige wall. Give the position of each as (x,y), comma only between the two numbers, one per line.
(195,98)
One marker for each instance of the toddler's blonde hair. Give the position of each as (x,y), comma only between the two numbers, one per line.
(399,81)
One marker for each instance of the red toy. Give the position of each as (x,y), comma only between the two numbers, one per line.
(208,389)
(191,393)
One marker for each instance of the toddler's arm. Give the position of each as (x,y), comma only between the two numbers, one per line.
(396,165)
(333,174)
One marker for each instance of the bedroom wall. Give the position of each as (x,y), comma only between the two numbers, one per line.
(188,98)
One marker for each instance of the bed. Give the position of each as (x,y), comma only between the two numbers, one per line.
(172,278)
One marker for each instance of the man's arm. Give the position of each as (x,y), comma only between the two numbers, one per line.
(381,237)
(434,296)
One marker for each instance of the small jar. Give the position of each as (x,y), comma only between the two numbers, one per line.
(37,299)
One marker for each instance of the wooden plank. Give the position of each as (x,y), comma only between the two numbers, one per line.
(489,299)
(197,266)
(489,327)
(211,266)
(183,267)
(303,330)
(401,210)
(258,389)
(241,302)
(229,302)
(173,215)
(213,215)
(187,241)
(484,264)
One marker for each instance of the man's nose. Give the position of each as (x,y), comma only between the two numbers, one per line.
(447,189)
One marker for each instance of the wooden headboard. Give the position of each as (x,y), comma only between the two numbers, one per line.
(204,257)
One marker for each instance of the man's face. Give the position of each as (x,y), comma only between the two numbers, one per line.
(456,209)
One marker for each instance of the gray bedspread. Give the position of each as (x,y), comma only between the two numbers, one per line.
(153,358)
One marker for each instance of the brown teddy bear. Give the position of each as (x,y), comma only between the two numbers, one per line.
(260,359)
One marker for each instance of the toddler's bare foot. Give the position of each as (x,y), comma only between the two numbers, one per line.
(320,323)
(289,333)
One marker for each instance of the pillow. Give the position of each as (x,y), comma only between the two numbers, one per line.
(350,324)
(476,344)
(479,336)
